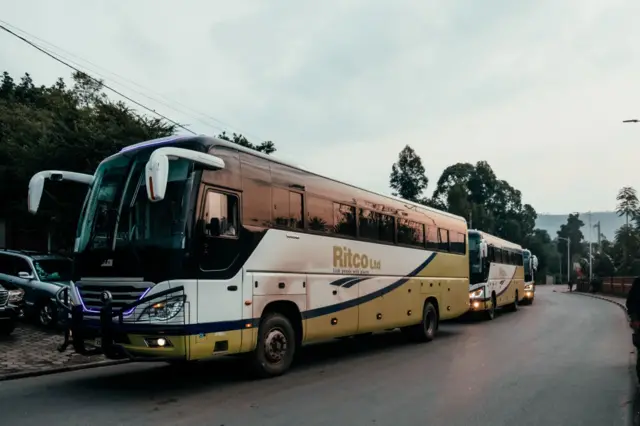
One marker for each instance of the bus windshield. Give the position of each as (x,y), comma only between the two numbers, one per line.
(527,263)
(475,261)
(118,212)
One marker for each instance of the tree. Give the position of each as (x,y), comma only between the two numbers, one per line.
(628,205)
(408,179)
(571,230)
(266,147)
(488,203)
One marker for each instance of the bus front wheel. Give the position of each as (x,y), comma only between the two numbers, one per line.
(276,346)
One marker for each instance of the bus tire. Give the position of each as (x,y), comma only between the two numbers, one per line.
(276,346)
(426,330)
(514,306)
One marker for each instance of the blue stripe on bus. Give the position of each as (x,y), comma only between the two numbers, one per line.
(326,310)
(221,326)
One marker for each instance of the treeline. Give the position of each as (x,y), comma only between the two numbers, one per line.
(474,192)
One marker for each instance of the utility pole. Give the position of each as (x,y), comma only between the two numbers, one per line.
(568,240)
(597,225)
(590,253)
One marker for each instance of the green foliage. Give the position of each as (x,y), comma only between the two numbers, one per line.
(628,205)
(571,230)
(266,147)
(408,179)
(488,203)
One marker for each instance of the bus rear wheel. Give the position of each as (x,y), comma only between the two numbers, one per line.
(276,346)
(514,306)
(426,330)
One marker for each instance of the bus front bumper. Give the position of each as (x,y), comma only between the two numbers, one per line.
(476,305)
(114,338)
(123,341)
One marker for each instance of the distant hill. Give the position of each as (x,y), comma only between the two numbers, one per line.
(609,223)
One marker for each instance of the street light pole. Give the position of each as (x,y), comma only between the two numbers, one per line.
(590,256)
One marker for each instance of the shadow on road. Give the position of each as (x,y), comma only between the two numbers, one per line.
(172,381)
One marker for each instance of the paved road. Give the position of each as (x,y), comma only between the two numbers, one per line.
(563,361)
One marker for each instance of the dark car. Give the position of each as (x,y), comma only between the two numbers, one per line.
(9,309)
(40,276)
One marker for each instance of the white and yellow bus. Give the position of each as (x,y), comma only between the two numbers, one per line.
(189,248)
(496,273)
(530,268)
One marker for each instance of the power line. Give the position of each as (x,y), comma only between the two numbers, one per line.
(170,103)
(54,57)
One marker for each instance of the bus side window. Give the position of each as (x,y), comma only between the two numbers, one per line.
(444,239)
(221,215)
(220,226)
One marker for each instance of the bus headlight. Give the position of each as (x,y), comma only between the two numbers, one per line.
(163,311)
(476,294)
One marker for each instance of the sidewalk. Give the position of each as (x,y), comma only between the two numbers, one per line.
(30,351)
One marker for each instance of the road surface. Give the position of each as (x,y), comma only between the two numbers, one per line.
(563,361)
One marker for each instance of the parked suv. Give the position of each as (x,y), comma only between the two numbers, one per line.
(9,309)
(40,276)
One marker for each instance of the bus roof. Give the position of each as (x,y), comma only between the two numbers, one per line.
(211,141)
(496,241)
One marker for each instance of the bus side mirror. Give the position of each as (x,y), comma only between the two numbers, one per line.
(36,186)
(157,168)
(156,174)
(483,249)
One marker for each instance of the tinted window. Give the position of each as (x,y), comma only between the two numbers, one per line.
(21,265)
(256,202)
(280,201)
(296,210)
(432,237)
(221,215)
(220,224)
(458,244)
(345,219)
(53,269)
(387,227)
(444,239)
(410,233)
(369,227)
(6,266)
(320,214)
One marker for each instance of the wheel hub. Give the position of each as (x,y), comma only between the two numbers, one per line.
(275,345)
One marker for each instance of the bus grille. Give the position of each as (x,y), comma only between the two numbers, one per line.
(122,293)
(4,297)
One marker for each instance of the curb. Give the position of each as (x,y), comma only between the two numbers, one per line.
(615,302)
(24,375)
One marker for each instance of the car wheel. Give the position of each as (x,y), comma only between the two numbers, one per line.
(47,314)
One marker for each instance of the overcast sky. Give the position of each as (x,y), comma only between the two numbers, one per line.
(537,88)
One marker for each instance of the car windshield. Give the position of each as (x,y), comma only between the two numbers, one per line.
(53,269)
(118,205)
